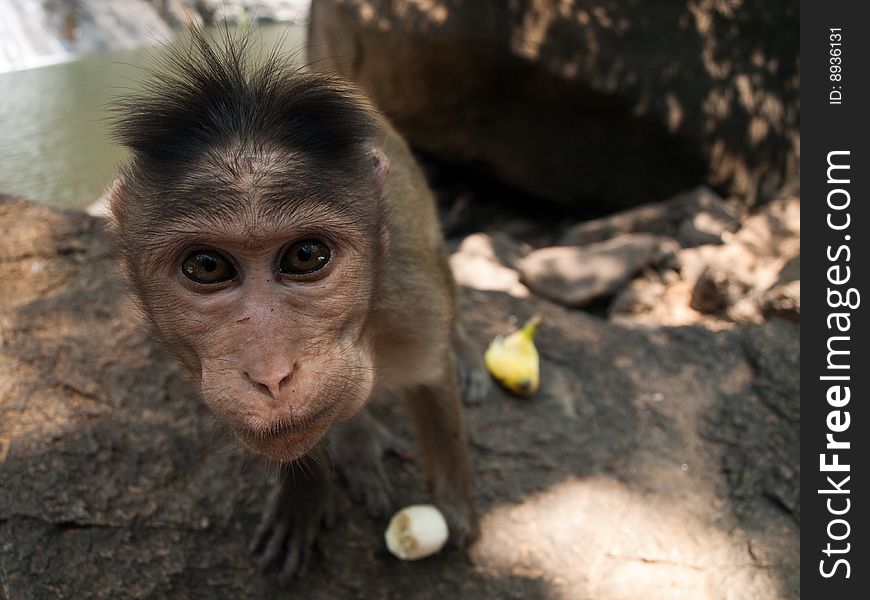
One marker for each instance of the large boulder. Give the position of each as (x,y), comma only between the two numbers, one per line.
(657,462)
(583,101)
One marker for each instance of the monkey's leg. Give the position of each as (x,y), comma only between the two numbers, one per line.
(357,447)
(437,414)
(301,503)
(474,382)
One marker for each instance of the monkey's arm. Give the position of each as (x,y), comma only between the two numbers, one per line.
(301,503)
(436,410)
(357,448)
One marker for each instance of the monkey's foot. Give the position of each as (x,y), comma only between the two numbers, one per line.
(358,449)
(474,380)
(461,522)
(297,510)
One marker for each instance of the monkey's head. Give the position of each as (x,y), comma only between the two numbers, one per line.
(249,224)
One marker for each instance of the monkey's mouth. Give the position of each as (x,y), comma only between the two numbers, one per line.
(287,439)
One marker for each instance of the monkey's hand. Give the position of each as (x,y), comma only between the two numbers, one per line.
(462,521)
(358,447)
(300,505)
(437,413)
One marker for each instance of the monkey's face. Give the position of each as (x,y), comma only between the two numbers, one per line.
(272,327)
(265,304)
(249,222)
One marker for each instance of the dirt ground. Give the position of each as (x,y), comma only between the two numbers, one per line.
(654,463)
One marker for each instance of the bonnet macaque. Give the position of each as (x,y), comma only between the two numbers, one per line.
(282,242)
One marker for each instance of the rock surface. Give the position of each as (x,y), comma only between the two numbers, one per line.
(583,101)
(747,276)
(783,299)
(661,459)
(489,262)
(676,218)
(736,276)
(577,275)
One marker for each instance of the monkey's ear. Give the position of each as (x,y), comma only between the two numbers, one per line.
(380,168)
(102,206)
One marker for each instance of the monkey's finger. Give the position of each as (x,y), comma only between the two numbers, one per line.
(399,447)
(474,384)
(356,485)
(378,501)
(304,562)
(479,386)
(462,533)
(381,496)
(329,515)
(276,545)
(307,549)
(263,529)
(390,442)
(292,561)
(267,521)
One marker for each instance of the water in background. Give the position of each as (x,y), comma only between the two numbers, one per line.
(54,136)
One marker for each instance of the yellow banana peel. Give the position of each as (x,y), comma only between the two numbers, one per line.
(513,360)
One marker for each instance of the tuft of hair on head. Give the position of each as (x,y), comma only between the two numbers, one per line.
(209,92)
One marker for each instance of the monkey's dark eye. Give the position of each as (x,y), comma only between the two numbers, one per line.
(208,266)
(304,257)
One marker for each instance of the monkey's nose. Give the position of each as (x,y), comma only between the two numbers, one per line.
(270,380)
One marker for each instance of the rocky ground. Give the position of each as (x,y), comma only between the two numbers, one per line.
(660,458)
